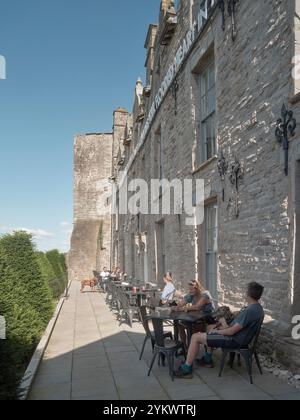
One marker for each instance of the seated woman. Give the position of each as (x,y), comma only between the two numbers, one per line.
(169,289)
(237,335)
(198,299)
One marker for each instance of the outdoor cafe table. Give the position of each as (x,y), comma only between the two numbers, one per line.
(189,319)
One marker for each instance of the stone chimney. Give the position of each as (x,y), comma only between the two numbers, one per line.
(167,21)
(119,132)
(167,6)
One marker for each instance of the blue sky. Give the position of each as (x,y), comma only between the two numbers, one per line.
(70,63)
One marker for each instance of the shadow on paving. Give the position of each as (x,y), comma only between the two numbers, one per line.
(100,361)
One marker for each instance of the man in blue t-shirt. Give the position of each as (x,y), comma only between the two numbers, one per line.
(237,335)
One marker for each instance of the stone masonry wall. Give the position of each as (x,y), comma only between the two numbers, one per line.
(253,79)
(91,238)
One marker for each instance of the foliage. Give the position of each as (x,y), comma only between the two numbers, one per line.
(29,281)
(56,284)
(57,261)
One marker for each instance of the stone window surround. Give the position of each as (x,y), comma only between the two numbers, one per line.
(201,263)
(209,114)
(296,198)
(199,63)
(205,164)
(211,254)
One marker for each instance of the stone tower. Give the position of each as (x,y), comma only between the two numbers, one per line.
(91,237)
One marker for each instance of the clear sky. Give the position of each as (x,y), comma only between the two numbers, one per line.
(70,63)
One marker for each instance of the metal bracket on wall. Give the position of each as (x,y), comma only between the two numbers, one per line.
(231,8)
(175,89)
(222,8)
(236,175)
(231,12)
(223,169)
(286,127)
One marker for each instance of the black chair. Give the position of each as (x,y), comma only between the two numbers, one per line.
(99,280)
(247,353)
(164,348)
(126,310)
(109,293)
(149,334)
(112,298)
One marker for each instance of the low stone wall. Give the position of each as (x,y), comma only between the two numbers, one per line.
(280,348)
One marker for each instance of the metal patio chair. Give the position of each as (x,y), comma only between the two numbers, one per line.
(149,334)
(126,311)
(111,297)
(99,280)
(164,347)
(246,353)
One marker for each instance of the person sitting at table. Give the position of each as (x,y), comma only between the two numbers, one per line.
(116,274)
(120,274)
(168,293)
(104,277)
(238,334)
(198,299)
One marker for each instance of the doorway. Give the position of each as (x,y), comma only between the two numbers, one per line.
(160,251)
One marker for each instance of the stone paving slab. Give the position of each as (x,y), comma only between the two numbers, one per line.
(91,357)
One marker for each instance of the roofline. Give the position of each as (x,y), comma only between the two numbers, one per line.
(151,26)
(93,134)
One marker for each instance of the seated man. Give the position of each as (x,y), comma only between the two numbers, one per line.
(238,335)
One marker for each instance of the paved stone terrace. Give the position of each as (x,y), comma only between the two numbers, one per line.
(90,357)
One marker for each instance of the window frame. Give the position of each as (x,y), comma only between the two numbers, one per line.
(213,252)
(210,114)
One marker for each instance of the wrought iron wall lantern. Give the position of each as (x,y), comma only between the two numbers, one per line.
(223,169)
(222,8)
(175,89)
(231,8)
(236,175)
(285,128)
(231,12)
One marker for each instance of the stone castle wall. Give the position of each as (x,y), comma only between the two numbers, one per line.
(91,238)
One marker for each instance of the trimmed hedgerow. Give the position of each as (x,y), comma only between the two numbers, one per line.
(26,302)
(57,285)
(20,257)
(57,261)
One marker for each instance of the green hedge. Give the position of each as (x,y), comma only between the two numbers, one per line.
(58,264)
(54,272)
(27,288)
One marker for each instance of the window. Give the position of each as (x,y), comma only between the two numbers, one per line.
(158,159)
(160,251)
(296,292)
(208,147)
(133,255)
(204,5)
(211,248)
